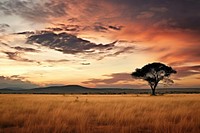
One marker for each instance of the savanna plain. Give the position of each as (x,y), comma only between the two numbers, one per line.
(31,113)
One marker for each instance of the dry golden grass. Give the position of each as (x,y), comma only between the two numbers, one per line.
(100,113)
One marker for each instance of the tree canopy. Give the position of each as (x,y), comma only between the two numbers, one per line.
(153,73)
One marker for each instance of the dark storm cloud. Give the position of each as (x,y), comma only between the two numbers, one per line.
(33,10)
(67,43)
(15,82)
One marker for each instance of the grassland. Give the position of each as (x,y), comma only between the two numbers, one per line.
(100,113)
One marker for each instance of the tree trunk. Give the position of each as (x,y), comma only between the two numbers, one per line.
(154,89)
(153,92)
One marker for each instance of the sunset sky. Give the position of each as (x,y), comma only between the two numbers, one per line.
(97,43)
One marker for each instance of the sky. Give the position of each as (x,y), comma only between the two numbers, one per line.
(97,43)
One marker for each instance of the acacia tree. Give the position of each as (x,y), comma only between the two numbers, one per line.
(153,73)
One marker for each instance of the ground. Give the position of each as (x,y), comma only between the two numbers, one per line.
(100,113)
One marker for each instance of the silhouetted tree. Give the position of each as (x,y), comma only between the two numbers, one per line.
(153,73)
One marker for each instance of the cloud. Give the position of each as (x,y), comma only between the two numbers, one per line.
(190,23)
(159,9)
(55,29)
(16,53)
(67,28)
(72,20)
(123,80)
(89,12)
(104,27)
(145,14)
(67,43)
(113,78)
(3,27)
(19,48)
(70,44)
(33,10)
(85,64)
(15,82)
(115,27)
(122,86)
(23,49)
(100,28)
(186,71)
(185,14)
(123,50)
(74,28)
(16,56)
(25,33)
(57,61)
(4,44)
(71,28)
(189,54)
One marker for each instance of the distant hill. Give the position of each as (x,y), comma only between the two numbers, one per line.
(6,89)
(11,89)
(76,89)
(62,89)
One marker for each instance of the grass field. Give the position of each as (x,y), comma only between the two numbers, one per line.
(100,113)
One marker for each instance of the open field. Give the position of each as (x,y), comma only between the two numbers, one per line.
(100,113)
